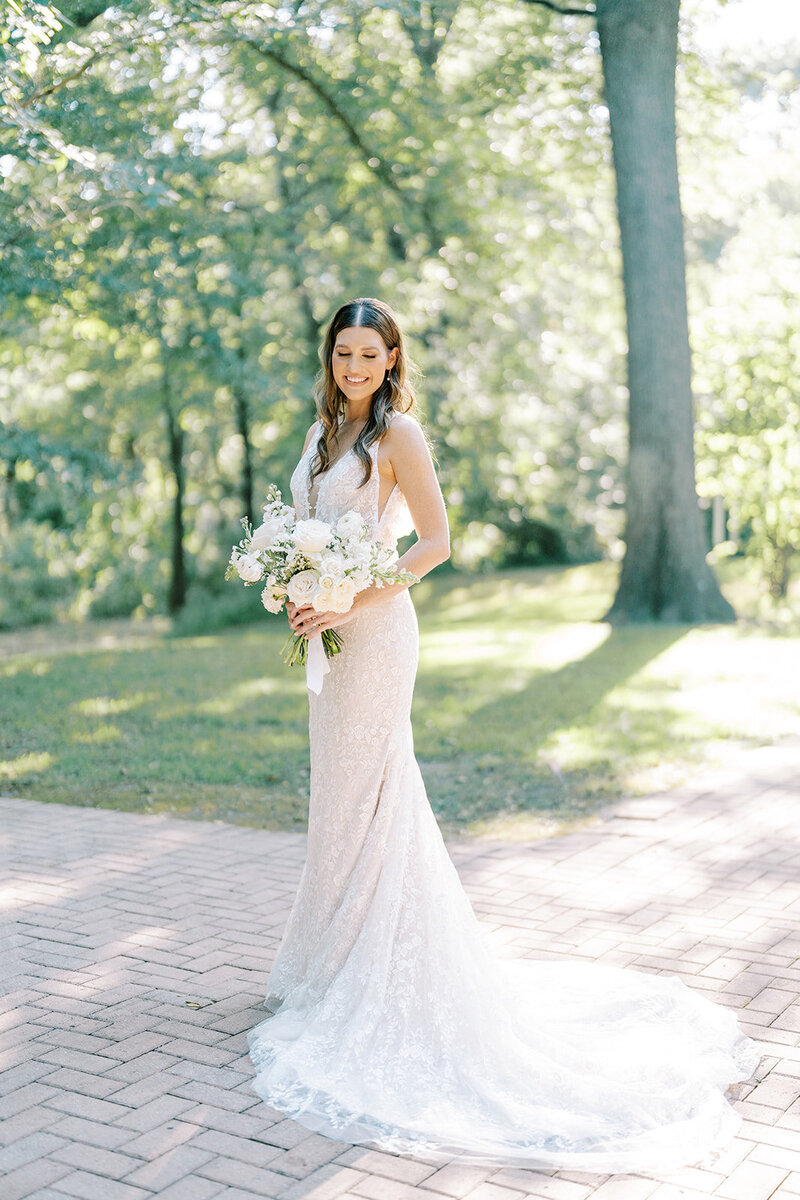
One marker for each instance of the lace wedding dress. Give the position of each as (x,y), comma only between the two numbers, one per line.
(393,1023)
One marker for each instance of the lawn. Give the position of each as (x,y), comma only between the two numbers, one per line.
(529,712)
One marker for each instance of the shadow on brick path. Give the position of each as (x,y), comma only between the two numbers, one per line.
(135,951)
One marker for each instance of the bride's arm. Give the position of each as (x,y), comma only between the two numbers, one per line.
(410,457)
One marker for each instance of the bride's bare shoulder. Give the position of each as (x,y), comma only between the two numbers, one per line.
(405,435)
(312,430)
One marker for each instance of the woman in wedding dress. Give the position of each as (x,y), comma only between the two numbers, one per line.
(392,1023)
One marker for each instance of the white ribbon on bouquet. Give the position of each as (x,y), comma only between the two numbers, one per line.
(317,665)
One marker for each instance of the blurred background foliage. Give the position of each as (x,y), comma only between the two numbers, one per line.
(189,191)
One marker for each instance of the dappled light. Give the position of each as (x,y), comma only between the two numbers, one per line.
(26,765)
(104,706)
(238,696)
(528,711)
(101,732)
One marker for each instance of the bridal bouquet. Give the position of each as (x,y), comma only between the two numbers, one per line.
(311,562)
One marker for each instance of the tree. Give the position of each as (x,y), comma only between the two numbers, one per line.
(211,194)
(665,576)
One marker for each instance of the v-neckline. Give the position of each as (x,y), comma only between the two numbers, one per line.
(325,475)
(321,479)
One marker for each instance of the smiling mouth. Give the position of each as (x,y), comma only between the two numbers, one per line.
(349,380)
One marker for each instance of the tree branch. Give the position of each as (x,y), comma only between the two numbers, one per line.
(566,12)
(374,161)
(81,15)
(59,83)
(330,103)
(426,41)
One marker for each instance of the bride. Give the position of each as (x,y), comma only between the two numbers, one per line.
(392,1023)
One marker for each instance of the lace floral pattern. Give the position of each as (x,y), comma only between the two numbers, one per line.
(339,489)
(393,1024)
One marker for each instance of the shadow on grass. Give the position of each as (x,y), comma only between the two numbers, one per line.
(216,727)
(213,728)
(570,693)
(506,768)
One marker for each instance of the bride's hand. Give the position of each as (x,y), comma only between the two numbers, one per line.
(310,622)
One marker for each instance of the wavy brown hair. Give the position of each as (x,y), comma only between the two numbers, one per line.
(396,393)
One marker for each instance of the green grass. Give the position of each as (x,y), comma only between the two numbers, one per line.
(529,712)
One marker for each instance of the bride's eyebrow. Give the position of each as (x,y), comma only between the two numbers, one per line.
(344,346)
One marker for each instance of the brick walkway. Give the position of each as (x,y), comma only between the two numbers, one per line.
(135,954)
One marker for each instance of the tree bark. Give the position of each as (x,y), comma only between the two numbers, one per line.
(176,597)
(8,506)
(665,576)
(242,413)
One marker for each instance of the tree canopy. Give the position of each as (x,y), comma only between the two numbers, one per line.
(190,189)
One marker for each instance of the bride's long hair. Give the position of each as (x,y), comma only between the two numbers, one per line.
(396,393)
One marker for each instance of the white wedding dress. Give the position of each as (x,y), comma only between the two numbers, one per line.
(394,1024)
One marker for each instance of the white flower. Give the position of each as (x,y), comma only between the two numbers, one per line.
(323,601)
(359,554)
(273,595)
(349,524)
(384,558)
(336,597)
(302,586)
(343,595)
(267,534)
(361,577)
(312,536)
(271,601)
(327,583)
(249,567)
(279,511)
(333,564)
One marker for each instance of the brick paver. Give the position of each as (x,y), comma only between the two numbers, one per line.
(135,951)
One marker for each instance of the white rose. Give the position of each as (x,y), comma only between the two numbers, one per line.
(272,599)
(312,536)
(343,595)
(267,534)
(301,587)
(349,524)
(327,583)
(324,600)
(333,564)
(249,568)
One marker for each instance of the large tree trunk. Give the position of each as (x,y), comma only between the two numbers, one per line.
(664,575)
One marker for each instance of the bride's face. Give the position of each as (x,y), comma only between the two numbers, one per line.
(360,361)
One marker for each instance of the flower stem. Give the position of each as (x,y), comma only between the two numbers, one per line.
(295,649)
